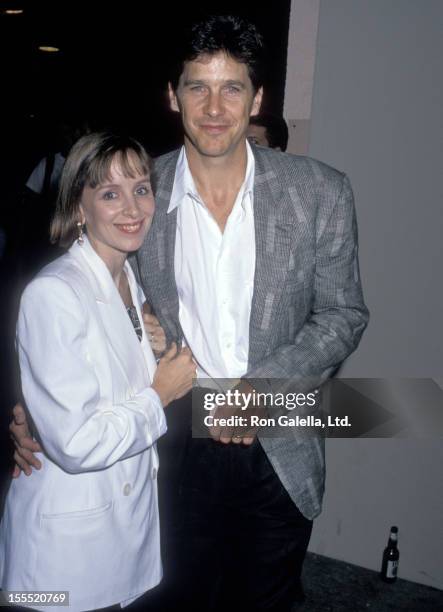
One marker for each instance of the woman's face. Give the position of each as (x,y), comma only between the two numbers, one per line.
(117,214)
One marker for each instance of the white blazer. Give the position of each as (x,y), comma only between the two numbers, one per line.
(87,522)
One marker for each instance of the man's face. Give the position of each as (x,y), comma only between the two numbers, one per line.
(257,135)
(215,98)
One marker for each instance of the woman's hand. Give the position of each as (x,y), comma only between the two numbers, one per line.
(25,445)
(174,375)
(155,333)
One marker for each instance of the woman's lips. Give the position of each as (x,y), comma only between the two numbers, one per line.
(129,228)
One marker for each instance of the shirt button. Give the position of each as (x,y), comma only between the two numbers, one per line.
(154,473)
(127,489)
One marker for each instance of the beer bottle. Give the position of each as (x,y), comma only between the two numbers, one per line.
(391,556)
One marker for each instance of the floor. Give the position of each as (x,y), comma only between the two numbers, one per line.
(335,586)
(330,585)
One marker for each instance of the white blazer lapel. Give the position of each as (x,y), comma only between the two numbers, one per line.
(123,341)
(138,300)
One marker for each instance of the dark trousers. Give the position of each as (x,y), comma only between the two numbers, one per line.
(231,536)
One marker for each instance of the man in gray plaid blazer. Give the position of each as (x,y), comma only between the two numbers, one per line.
(306,316)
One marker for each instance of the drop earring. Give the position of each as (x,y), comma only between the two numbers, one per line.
(80,239)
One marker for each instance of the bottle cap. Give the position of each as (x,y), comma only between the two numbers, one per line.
(394,529)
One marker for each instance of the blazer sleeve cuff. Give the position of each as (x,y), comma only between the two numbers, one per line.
(155,414)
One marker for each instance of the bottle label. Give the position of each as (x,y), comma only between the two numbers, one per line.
(391,570)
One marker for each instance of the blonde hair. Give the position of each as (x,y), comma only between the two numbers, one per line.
(88,164)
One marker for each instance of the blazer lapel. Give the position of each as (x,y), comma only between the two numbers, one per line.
(137,300)
(156,256)
(117,326)
(275,235)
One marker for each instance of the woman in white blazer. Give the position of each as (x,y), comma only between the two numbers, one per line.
(87,522)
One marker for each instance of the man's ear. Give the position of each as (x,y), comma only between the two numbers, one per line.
(256,104)
(173,102)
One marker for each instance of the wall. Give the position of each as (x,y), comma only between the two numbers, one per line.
(377,115)
(300,72)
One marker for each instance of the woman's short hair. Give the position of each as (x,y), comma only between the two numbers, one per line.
(88,164)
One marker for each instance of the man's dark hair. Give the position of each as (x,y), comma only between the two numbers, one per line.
(227,33)
(276,129)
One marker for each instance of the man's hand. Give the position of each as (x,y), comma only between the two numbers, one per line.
(242,432)
(226,434)
(25,445)
(155,333)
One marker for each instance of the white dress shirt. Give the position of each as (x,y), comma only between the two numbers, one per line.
(214,272)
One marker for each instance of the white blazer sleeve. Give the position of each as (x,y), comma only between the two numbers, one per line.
(79,429)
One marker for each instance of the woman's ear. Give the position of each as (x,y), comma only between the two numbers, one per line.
(82,218)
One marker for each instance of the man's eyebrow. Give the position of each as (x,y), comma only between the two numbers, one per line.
(189,82)
(237,83)
(193,82)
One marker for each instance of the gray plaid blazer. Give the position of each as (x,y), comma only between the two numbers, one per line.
(307,311)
